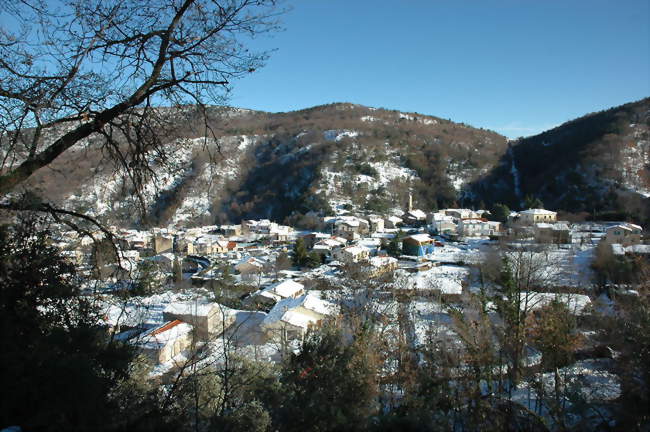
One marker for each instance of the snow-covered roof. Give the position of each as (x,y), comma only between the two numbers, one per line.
(355,250)
(442,217)
(158,337)
(349,222)
(538,212)
(286,310)
(286,288)
(250,260)
(626,227)
(315,304)
(420,238)
(329,242)
(473,222)
(208,239)
(418,214)
(198,307)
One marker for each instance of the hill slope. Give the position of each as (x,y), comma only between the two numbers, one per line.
(275,165)
(599,162)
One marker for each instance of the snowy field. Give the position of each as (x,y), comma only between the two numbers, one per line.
(447,279)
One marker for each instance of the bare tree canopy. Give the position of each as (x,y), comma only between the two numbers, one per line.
(78,70)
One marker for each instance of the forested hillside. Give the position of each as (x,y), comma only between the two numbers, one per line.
(257,164)
(598,163)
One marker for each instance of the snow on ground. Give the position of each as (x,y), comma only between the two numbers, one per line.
(578,304)
(587,381)
(213,175)
(457,180)
(387,171)
(99,193)
(447,279)
(431,322)
(417,118)
(470,252)
(390,170)
(558,266)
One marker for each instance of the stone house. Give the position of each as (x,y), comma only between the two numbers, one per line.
(533,216)
(161,344)
(208,318)
(625,234)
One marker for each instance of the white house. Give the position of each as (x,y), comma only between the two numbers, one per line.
(376,223)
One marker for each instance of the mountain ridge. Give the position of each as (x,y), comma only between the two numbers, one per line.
(313,160)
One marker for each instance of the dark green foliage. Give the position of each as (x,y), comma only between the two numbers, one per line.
(499,213)
(302,258)
(300,254)
(377,205)
(532,202)
(330,385)
(394,248)
(58,365)
(434,188)
(314,259)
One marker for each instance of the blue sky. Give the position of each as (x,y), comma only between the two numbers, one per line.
(515,66)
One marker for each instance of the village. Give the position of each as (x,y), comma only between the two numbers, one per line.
(258,287)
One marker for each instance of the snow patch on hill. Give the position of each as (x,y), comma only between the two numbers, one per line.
(636,159)
(369,119)
(338,135)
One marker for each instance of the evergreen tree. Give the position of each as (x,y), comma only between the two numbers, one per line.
(393,249)
(300,256)
(500,213)
(532,202)
(330,384)
(58,368)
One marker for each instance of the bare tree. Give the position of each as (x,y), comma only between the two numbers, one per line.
(91,71)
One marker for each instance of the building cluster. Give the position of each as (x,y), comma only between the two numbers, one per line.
(257,254)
